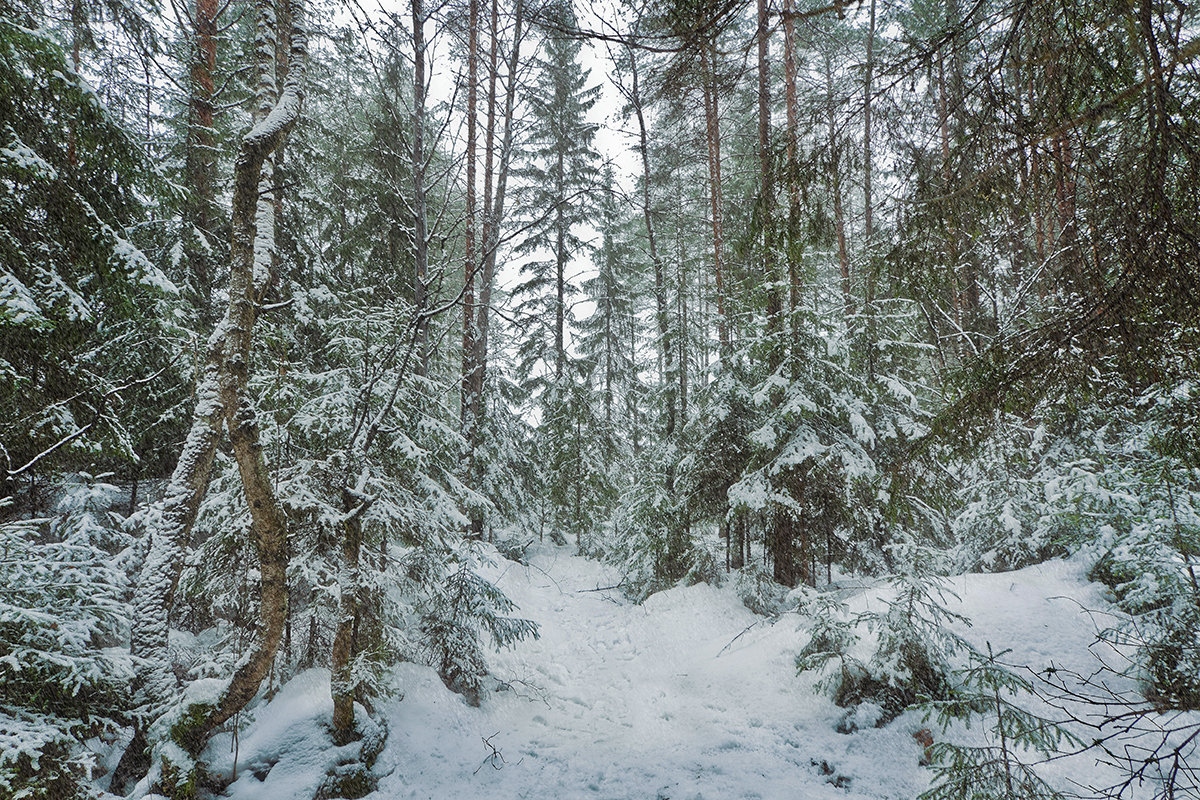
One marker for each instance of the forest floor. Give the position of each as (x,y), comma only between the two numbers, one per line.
(686,696)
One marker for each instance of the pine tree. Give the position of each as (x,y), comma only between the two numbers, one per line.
(559,175)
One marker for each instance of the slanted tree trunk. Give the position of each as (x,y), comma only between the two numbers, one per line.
(666,348)
(253,244)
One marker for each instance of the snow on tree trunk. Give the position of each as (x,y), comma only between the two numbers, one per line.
(221,402)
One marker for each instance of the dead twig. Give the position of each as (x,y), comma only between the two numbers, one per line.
(495,758)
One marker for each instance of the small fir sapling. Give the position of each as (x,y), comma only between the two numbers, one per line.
(989,692)
(913,645)
(457,612)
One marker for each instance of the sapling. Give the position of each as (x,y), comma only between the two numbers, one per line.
(988,691)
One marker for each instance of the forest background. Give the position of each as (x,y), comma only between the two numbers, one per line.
(304,307)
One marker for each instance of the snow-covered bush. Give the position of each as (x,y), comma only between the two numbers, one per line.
(913,645)
(757,589)
(651,546)
(64,673)
(1013,508)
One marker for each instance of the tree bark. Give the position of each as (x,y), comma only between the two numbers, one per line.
(342,653)
(839,219)
(221,402)
(253,244)
(662,314)
(468,347)
(793,177)
(496,212)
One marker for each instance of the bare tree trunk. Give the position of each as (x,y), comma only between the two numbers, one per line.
(868,90)
(468,347)
(202,148)
(343,651)
(420,222)
(951,229)
(793,131)
(868,201)
(713,136)
(560,269)
(662,313)
(767,193)
(495,215)
(839,220)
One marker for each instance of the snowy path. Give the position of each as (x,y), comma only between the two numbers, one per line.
(623,701)
(688,696)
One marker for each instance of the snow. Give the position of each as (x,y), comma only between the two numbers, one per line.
(289,732)
(688,695)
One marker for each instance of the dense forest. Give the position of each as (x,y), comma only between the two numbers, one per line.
(313,311)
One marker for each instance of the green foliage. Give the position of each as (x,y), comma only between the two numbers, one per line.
(457,609)
(650,544)
(76,294)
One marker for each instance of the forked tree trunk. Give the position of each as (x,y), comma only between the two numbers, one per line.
(222,403)
(253,245)
(661,311)
(495,203)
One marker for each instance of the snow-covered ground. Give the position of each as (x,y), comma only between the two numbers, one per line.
(686,696)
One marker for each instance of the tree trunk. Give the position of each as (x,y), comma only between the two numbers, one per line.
(767,194)
(420,223)
(342,654)
(253,243)
(560,269)
(839,219)
(468,347)
(712,126)
(662,313)
(793,177)
(221,401)
(868,201)
(494,217)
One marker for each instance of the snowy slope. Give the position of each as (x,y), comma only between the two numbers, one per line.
(687,696)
